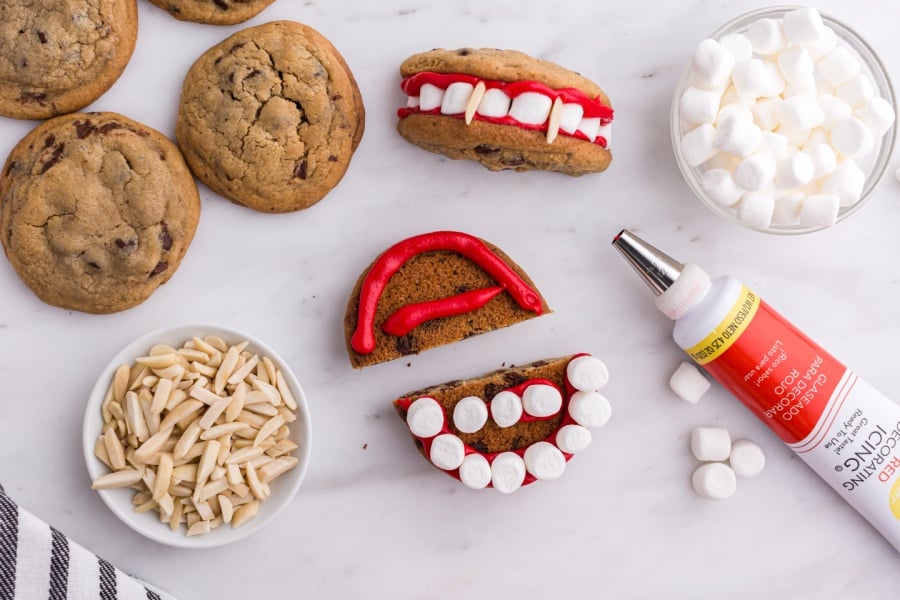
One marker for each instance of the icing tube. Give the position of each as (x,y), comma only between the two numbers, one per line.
(841,426)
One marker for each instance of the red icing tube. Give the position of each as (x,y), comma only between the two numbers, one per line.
(405,319)
(363,338)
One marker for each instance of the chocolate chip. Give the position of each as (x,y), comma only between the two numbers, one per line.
(514,379)
(301,169)
(462,289)
(125,244)
(463,52)
(407,345)
(336,97)
(159,268)
(492,389)
(39,98)
(221,4)
(51,139)
(518,442)
(9,169)
(479,446)
(42,37)
(516,160)
(94,265)
(485,149)
(54,158)
(165,238)
(83,128)
(107,127)
(24,63)
(253,73)
(332,158)
(231,77)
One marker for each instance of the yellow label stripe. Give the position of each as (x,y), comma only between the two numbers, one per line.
(732,326)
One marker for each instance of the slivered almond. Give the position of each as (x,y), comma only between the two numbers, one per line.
(191,355)
(177,516)
(216,342)
(176,397)
(153,445)
(241,374)
(226,507)
(218,471)
(214,411)
(114,450)
(185,472)
(474,101)
(203,369)
(554,120)
(270,369)
(185,409)
(120,382)
(224,448)
(262,408)
(213,488)
(141,497)
(159,349)
(134,417)
(241,490)
(187,439)
(244,513)
(101,453)
(253,481)
(270,427)
(245,454)
(238,398)
(104,406)
(260,461)
(121,478)
(233,474)
(204,510)
(269,390)
(149,381)
(159,361)
(223,429)
(275,468)
(207,462)
(229,362)
(115,409)
(138,372)
(180,491)
(257,397)
(174,372)
(285,390)
(287,414)
(281,448)
(166,507)
(253,420)
(203,346)
(163,476)
(199,528)
(161,396)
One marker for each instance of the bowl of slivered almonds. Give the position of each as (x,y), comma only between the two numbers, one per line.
(197,435)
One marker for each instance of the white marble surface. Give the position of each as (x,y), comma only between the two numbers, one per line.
(373,519)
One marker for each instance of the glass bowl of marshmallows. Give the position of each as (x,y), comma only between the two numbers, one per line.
(784,120)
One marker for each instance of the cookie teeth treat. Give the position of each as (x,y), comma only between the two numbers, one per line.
(213,12)
(501,453)
(270,117)
(505,110)
(435,289)
(96,211)
(58,57)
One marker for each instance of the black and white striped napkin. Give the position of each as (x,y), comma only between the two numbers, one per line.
(39,563)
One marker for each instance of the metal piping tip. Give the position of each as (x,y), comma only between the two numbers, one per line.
(656,268)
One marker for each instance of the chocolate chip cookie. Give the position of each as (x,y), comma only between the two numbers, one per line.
(213,12)
(96,211)
(57,57)
(270,117)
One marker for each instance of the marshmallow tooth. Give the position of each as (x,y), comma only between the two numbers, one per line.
(878,115)
(738,135)
(747,459)
(590,128)
(796,65)
(541,400)
(475,472)
(570,117)
(573,438)
(425,417)
(587,373)
(495,104)
(530,108)
(507,472)
(794,170)
(787,209)
(545,461)
(447,452)
(506,409)
(846,182)
(470,414)
(738,45)
(456,98)
(755,172)
(430,97)
(589,409)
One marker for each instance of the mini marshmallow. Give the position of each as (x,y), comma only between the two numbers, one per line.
(838,66)
(506,408)
(496,103)
(803,26)
(747,459)
(531,108)
(734,109)
(795,64)
(738,45)
(719,185)
(545,461)
(738,135)
(723,160)
(572,439)
(787,208)
(712,64)
(699,145)
(766,36)
(755,210)
(846,182)
(858,90)
(570,117)
(507,472)
(764,113)
(590,128)
(710,443)
(425,417)
(755,172)
(795,137)
(587,373)
(605,132)
(456,97)
(794,170)
(823,157)
(752,78)
(541,400)
(590,409)
(774,144)
(819,210)
(688,383)
(470,414)
(852,137)
(715,481)
(475,472)
(699,106)
(800,112)
(412,102)
(817,136)
(776,81)
(825,45)
(834,109)
(805,87)
(447,452)
(430,97)
(878,115)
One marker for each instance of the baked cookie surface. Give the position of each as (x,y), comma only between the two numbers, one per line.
(96,211)
(270,117)
(57,57)
(213,12)
(505,110)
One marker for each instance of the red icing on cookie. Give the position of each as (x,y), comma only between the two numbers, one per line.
(405,319)
(363,338)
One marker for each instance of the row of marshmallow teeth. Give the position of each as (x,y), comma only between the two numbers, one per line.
(529,108)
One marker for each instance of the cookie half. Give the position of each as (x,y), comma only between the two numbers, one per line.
(270,117)
(213,12)
(434,289)
(58,57)
(505,110)
(511,427)
(96,211)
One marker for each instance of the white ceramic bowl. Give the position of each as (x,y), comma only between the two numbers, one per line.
(148,524)
(874,166)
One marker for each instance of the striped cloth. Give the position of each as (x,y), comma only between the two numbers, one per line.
(39,563)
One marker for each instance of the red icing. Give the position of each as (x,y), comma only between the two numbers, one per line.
(363,338)
(405,319)
(405,403)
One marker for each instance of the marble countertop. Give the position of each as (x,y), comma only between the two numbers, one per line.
(374,519)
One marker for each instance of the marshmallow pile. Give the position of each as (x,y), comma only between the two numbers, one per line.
(782,121)
(715,479)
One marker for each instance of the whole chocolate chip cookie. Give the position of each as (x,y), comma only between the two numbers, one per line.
(213,12)
(57,57)
(96,211)
(270,117)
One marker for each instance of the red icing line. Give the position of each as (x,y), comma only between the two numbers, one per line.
(406,318)
(363,338)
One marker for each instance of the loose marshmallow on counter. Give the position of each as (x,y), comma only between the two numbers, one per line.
(819,210)
(712,63)
(495,103)
(447,452)
(430,97)
(470,414)
(794,170)
(475,472)
(456,96)
(699,145)
(541,400)
(766,36)
(838,66)
(545,461)
(795,64)
(688,383)
(506,408)
(531,108)
(720,186)
(755,172)
(803,26)
(747,459)
(787,208)
(738,45)
(573,438)
(698,105)
(587,373)
(824,159)
(507,472)
(878,115)
(589,409)
(710,443)
(738,135)
(800,112)
(715,481)
(857,91)
(852,137)
(846,182)
(425,417)
(755,210)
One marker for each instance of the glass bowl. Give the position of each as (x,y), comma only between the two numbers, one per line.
(874,165)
